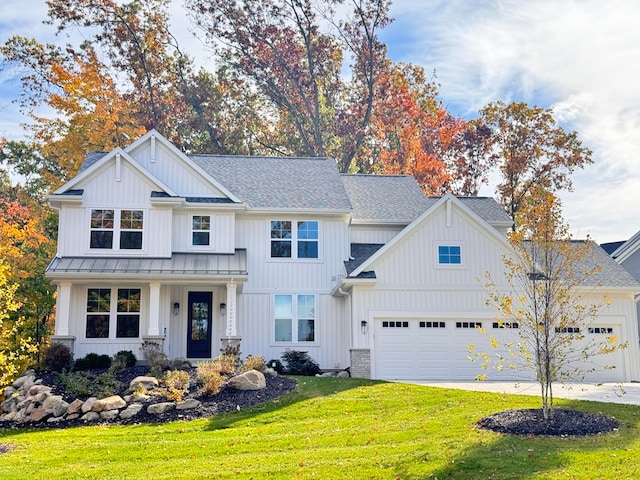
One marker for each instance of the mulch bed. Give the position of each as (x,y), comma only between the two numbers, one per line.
(562,423)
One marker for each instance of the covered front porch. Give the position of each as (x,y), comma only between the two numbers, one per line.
(186,303)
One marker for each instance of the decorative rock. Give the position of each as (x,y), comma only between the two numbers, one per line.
(25,382)
(90,417)
(60,409)
(180,364)
(148,383)
(9,391)
(41,397)
(109,414)
(39,414)
(75,406)
(113,402)
(189,404)
(73,416)
(251,380)
(158,408)
(131,411)
(36,389)
(88,404)
(270,371)
(53,401)
(55,419)
(137,398)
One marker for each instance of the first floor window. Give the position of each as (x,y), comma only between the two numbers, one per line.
(128,317)
(200,230)
(294,318)
(103,308)
(98,308)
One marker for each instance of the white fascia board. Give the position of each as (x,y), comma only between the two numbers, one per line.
(627,249)
(177,152)
(298,211)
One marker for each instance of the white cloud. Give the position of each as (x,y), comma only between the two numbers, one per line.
(579,57)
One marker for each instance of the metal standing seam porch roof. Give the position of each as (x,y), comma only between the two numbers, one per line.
(181,266)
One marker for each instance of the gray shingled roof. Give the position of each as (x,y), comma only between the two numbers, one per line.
(486,208)
(275,182)
(90,159)
(611,274)
(386,197)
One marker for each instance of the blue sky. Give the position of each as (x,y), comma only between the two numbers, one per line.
(579,57)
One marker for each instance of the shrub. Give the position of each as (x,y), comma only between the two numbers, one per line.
(276,365)
(300,363)
(226,364)
(155,357)
(209,377)
(176,383)
(57,357)
(253,363)
(126,355)
(87,384)
(92,361)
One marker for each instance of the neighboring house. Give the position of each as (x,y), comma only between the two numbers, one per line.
(627,255)
(363,271)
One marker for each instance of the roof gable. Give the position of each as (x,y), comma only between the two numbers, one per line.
(98,163)
(447,202)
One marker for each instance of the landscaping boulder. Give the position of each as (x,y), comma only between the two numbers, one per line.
(251,380)
(149,383)
(188,404)
(131,411)
(158,408)
(113,402)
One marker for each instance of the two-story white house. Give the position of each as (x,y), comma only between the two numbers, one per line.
(363,271)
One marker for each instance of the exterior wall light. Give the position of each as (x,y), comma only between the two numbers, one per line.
(176,308)
(363,326)
(223,309)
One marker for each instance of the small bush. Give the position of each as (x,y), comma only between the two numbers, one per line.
(128,357)
(57,357)
(209,377)
(276,365)
(154,356)
(80,384)
(300,363)
(92,361)
(226,364)
(253,363)
(87,384)
(176,383)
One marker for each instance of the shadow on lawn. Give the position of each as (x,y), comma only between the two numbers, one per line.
(522,456)
(307,388)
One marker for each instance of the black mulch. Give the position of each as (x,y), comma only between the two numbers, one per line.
(228,400)
(562,423)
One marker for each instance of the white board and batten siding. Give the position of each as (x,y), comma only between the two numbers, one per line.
(127,189)
(175,172)
(222,239)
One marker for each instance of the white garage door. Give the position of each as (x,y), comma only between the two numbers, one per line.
(426,349)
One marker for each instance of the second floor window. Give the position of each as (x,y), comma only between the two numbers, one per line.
(201,230)
(449,255)
(126,225)
(294,239)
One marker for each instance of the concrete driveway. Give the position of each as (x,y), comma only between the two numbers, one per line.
(627,393)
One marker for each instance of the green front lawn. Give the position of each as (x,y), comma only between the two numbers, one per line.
(334,429)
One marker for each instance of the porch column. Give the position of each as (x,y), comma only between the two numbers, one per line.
(154,309)
(63,308)
(231,309)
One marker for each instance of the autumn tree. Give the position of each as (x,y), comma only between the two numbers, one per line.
(530,151)
(280,47)
(551,299)
(411,131)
